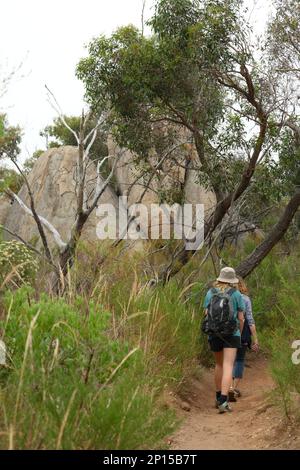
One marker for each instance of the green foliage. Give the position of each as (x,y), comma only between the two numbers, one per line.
(88,370)
(172,332)
(10,179)
(275,292)
(164,78)
(284,330)
(70,383)
(57,134)
(102,360)
(174,17)
(17,263)
(29,163)
(284,36)
(163,87)
(167,326)
(288,168)
(10,138)
(91,371)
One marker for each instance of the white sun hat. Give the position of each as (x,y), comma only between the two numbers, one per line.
(228,275)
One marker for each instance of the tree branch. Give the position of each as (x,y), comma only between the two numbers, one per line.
(33,211)
(60,243)
(254,259)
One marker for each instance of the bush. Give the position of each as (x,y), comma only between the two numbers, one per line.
(276,292)
(70,384)
(18,265)
(170,333)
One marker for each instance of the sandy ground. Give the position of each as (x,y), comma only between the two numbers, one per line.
(255,422)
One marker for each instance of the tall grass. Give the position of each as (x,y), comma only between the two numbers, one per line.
(69,384)
(88,370)
(277,299)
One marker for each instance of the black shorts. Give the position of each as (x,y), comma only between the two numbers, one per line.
(218,344)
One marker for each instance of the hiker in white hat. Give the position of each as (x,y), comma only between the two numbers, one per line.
(228,276)
(223,322)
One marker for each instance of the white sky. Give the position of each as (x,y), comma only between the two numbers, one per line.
(49,39)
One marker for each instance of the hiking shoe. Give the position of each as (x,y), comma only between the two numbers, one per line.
(224,408)
(231,396)
(237,393)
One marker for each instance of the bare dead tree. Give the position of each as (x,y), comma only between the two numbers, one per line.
(152,171)
(34,214)
(143,16)
(6,77)
(85,203)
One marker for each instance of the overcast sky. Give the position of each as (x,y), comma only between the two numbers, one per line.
(48,38)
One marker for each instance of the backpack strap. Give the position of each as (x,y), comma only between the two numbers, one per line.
(230,291)
(214,290)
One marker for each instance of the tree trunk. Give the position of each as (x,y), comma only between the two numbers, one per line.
(66,258)
(254,259)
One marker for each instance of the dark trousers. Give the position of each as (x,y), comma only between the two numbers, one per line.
(239,365)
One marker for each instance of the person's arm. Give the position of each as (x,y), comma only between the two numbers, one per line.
(251,323)
(206,302)
(241,319)
(255,344)
(241,310)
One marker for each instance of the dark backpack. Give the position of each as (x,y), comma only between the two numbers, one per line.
(220,319)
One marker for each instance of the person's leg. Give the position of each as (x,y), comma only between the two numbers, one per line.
(229,355)
(216,346)
(239,366)
(218,370)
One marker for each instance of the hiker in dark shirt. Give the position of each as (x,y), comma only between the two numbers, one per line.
(225,347)
(248,340)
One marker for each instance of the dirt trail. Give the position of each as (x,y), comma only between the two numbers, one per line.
(254,423)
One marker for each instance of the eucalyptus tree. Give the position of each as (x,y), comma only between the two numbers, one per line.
(87,198)
(197,75)
(283,47)
(10,139)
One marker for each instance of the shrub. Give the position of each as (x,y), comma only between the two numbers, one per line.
(18,265)
(170,333)
(70,384)
(275,290)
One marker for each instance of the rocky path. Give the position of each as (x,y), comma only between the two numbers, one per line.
(254,424)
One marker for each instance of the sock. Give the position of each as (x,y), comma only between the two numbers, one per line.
(222,399)
(218,395)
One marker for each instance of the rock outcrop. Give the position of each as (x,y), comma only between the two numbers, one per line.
(52,181)
(53,185)
(173,177)
(170,181)
(4,209)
